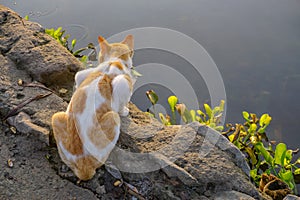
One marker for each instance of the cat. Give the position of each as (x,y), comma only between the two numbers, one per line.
(87,132)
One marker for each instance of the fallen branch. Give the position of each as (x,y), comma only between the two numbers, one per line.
(24,103)
(133,191)
(37,85)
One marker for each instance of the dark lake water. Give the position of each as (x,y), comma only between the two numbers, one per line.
(255,45)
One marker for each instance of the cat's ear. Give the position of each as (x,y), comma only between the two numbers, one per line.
(104,45)
(128,41)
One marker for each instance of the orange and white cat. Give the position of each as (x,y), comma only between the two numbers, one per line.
(87,132)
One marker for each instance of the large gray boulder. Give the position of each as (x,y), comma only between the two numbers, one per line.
(25,44)
(174,162)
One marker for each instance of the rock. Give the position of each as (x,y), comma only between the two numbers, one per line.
(291,197)
(13,95)
(32,176)
(195,155)
(231,195)
(23,124)
(29,48)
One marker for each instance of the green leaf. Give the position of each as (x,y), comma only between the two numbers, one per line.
(261,130)
(268,171)
(84,59)
(231,137)
(260,147)
(216,110)
(252,128)
(297,171)
(193,115)
(280,154)
(26,17)
(57,32)
(286,176)
(246,116)
(172,100)
(212,125)
(136,73)
(152,96)
(80,50)
(268,120)
(74,41)
(49,31)
(164,119)
(253,173)
(208,110)
(199,119)
(289,155)
(251,155)
(262,119)
(219,128)
(201,113)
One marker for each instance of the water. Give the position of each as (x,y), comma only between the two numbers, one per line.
(255,45)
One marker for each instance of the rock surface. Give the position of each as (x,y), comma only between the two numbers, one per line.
(26,45)
(156,162)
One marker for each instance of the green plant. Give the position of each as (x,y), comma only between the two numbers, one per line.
(211,117)
(152,96)
(251,138)
(172,100)
(60,36)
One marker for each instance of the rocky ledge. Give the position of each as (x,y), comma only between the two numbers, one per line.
(153,161)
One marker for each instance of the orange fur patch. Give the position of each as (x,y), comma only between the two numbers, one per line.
(64,130)
(117,64)
(80,96)
(105,87)
(104,130)
(103,108)
(86,166)
(92,76)
(108,123)
(121,51)
(73,142)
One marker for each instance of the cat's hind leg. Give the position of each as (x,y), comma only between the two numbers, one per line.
(103,135)
(59,125)
(69,145)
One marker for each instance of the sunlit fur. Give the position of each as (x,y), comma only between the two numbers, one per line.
(88,131)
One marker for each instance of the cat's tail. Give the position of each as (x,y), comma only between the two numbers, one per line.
(103,136)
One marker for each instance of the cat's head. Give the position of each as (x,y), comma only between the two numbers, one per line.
(122,50)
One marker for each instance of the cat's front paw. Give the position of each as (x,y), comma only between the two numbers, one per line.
(124,112)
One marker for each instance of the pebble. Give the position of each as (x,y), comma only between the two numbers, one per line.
(10,163)
(100,189)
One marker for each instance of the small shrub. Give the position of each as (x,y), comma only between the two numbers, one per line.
(250,138)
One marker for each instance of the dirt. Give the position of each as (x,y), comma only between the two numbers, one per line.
(31,174)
